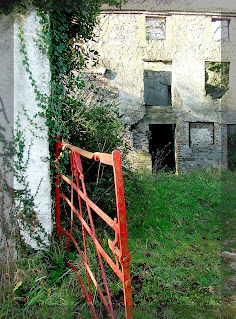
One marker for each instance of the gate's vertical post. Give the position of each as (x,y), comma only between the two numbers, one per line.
(125,256)
(57,188)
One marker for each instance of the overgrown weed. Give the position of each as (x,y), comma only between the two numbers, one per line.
(42,285)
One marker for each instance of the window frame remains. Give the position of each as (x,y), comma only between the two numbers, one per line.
(193,126)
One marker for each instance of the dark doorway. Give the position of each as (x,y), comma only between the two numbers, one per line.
(161,146)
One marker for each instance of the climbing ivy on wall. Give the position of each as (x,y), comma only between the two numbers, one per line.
(66,26)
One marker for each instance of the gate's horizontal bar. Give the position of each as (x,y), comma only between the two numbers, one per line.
(101,157)
(94,207)
(96,242)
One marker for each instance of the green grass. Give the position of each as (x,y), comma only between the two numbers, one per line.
(228,235)
(175,241)
(177,226)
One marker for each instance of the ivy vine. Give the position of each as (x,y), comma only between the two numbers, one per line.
(66,25)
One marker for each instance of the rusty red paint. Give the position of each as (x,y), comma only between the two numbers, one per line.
(57,188)
(119,246)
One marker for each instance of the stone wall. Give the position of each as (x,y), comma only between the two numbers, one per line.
(128,53)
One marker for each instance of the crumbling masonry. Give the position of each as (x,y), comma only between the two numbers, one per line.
(175,77)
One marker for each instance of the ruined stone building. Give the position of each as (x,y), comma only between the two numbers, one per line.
(172,67)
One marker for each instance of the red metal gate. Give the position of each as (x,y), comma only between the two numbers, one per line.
(119,246)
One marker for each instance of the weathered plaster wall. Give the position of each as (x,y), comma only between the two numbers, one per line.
(19,100)
(38,174)
(124,50)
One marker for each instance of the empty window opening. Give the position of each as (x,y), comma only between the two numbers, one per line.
(157,88)
(161,146)
(220,30)
(157,83)
(231,128)
(201,134)
(155,28)
(216,78)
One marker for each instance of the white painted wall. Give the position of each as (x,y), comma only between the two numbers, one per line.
(38,170)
